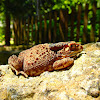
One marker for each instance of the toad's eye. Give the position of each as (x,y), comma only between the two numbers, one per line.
(73,46)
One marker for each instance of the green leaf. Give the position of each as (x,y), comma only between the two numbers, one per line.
(63,6)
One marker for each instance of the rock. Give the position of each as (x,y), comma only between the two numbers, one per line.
(80,82)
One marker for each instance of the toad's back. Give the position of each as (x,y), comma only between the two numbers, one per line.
(38,59)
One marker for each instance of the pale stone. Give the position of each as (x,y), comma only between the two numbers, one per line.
(80,82)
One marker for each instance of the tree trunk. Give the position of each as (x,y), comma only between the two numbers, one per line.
(7,30)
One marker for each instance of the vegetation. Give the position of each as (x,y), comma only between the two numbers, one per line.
(21,9)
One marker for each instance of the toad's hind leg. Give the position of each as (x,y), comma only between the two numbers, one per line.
(63,63)
(19,72)
(16,65)
(23,73)
(16,72)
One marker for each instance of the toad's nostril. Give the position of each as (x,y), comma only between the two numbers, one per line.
(81,47)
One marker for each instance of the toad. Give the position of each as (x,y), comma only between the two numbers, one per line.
(44,57)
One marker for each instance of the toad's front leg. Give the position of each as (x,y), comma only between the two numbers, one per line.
(63,63)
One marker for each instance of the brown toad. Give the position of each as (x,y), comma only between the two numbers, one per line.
(44,57)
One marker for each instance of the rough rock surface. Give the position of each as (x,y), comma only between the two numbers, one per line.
(80,82)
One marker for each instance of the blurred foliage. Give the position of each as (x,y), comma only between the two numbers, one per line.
(2,35)
(48,5)
(26,8)
(17,8)
(2,27)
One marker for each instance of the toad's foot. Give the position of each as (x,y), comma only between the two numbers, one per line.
(63,63)
(18,72)
(23,73)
